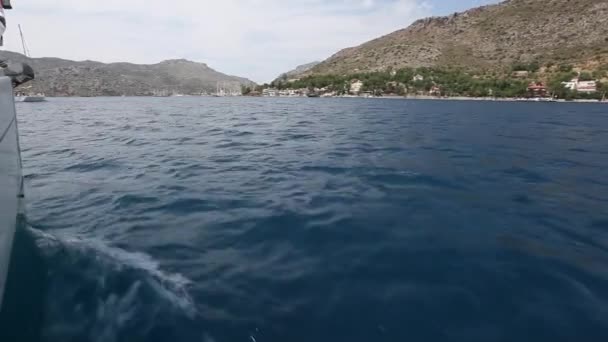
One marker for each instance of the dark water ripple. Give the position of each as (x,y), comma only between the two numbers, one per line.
(192,219)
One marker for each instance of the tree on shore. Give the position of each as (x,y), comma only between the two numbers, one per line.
(451,81)
(245,90)
(585,76)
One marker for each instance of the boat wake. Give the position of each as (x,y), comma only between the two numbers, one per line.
(100,293)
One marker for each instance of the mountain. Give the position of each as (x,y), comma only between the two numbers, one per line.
(59,77)
(487,38)
(297,71)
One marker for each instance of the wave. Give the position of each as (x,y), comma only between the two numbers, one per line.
(98,293)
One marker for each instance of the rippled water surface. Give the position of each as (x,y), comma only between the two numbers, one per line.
(216,219)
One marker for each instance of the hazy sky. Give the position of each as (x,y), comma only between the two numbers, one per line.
(258,39)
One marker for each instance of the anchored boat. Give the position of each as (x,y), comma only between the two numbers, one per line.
(23,95)
(20,97)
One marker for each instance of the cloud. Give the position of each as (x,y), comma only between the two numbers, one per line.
(258,39)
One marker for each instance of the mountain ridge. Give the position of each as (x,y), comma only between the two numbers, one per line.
(62,77)
(300,69)
(486,38)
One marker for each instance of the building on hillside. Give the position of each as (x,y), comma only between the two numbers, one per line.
(537,89)
(270,92)
(435,91)
(394,87)
(570,85)
(418,78)
(521,74)
(356,86)
(581,86)
(586,87)
(288,93)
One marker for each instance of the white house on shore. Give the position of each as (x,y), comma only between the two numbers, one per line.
(418,78)
(587,86)
(356,86)
(581,86)
(270,92)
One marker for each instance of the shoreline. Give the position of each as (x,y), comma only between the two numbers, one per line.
(465,98)
(501,99)
(412,97)
(448,98)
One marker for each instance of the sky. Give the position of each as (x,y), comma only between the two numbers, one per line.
(257,39)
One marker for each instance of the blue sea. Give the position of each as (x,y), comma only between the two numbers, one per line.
(288,220)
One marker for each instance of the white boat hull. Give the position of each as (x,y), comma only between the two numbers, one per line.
(11,182)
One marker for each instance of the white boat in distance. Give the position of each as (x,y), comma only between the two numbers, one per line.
(30,98)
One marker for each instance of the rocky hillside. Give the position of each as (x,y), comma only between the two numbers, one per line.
(487,38)
(59,77)
(301,69)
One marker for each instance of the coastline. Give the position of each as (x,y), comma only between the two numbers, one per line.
(452,98)
(387,97)
(465,98)
(501,99)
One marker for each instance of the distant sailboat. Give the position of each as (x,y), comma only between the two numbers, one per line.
(21,96)
(219,91)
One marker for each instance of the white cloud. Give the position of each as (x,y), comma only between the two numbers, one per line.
(253,38)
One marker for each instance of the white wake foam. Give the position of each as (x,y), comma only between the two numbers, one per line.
(99,292)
